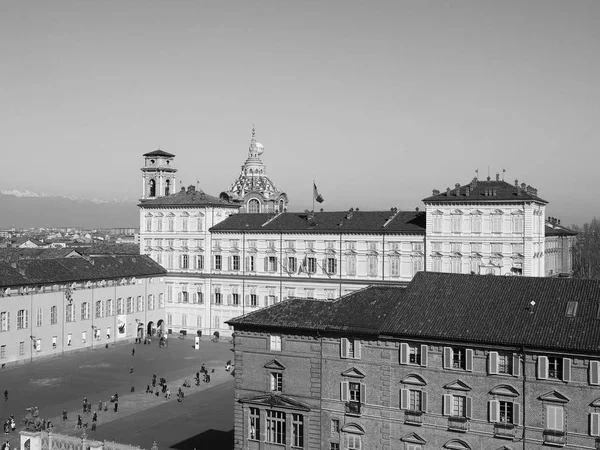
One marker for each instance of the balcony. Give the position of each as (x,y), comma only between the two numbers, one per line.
(504,430)
(353,408)
(413,417)
(456,423)
(556,438)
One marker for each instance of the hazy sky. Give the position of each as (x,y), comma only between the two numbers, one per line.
(379,101)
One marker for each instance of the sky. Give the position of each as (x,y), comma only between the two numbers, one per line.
(379,102)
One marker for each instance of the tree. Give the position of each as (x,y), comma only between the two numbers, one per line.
(586,250)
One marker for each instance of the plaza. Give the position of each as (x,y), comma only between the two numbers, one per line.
(204,419)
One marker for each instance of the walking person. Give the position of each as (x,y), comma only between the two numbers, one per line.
(64,415)
(13,425)
(133,352)
(116,406)
(79,422)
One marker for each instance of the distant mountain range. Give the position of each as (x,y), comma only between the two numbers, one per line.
(26,209)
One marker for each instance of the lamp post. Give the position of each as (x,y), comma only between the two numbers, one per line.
(34,345)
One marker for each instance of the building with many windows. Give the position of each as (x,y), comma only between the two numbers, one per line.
(449,362)
(52,306)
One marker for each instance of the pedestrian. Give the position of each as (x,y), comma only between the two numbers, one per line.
(95,417)
(7,446)
(89,407)
(133,352)
(6,395)
(64,415)
(116,406)
(79,422)
(6,427)
(49,426)
(13,425)
(131,371)
(105,406)
(168,394)
(100,405)
(207,378)
(147,389)
(93,426)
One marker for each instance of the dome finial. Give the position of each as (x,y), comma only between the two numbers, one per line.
(253,134)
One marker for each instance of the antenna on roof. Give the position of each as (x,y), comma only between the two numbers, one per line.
(503,172)
(477,173)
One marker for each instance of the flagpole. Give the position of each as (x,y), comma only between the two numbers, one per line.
(313,196)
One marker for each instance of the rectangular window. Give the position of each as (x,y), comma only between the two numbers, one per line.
(518,223)
(291,244)
(372,265)
(335,426)
(70,313)
(437,223)
(292,264)
(235,262)
(354,442)
(456,223)
(170,319)
(350,348)
(414,354)
(506,412)
(310,245)
(218,262)
(312,265)
(130,305)
(83,337)
(39,317)
(395,266)
(414,400)
(496,223)
(554,418)
(22,319)
(185,261)
(276,382)
(253,300)
(120,307)
(297,430)
(5,321)
(458,406)
(272,264)
(351,265)
(109,308)
(161,301)
(235,299)
(98,309)
(331,266)
(254,428)
(505,363)
(53,315)
(218,296)
(275,425)
(275,343)
(476,223)
(496,248)
(250,264)
(199,262)
(555,368)
(21,348)
(151,304)
(354,392)
(271,245)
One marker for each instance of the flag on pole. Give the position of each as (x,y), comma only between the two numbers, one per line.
(318,197)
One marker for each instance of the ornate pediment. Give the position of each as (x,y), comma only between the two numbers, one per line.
(353,428)
(353,372)
(413,438)
(506,390)
(596,403)
(274,364)
(414,379)
(458,385)
(476,213)
(553,396)
(275,401)
(457,444)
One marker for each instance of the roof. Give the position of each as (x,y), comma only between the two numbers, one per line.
(552,229)
(159,153)
(187,197)
(486,191)
(412,222)
(111,249)
(470,309)
(17,253)
(61,270)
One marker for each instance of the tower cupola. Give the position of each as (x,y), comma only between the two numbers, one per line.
(158,175)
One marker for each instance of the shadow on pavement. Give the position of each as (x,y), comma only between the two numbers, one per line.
(208,440)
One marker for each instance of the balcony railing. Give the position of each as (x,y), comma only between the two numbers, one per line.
(504,430)
(353,408)
(457,423)
(413,417)
(553,437)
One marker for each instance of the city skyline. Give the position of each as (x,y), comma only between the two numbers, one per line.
(379,103)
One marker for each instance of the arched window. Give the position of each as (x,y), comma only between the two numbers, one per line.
(152,188)
(253,206)
(167,187)
(281,205)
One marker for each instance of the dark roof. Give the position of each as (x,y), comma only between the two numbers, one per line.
(375,303)
(327,222)
(110,249)
(159,153)
(486,191)
(558,230)
(16,253)
(469,309)
(61,270)
(187,197)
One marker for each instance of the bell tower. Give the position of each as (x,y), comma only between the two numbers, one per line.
(158,175)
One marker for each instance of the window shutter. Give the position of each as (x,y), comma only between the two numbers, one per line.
(266,300)
(424,349)
(559,418)
(276,268)
(469,360)
(229,299)
(594,424)
(593,373)
(212,298)
(284,263)
(324,265)
(179,297)
(404,396)
(566,369)
(344,391)
(266,264)
(357,349)
(517,413)
(8,323)
(516,366)
(344,348)
(403,353)
(468,407)
(363,393)
(447,405)
(424,401)
(213,262)
(542,368)
(494,410)
(247,299)
(247,263)
(493,363)
(550,417)
(335,266)
(229,263)
(447,357)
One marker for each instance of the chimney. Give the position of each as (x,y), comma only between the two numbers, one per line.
(497,176)
(436,192)
(457,189)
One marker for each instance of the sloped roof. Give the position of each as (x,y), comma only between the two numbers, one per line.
(61,270)
(111,249)
(186,198)
(16,253)
(472,309)
(486,191)
(327,222)
(558,230)
(159,153)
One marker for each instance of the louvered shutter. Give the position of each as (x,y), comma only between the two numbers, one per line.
(493,363)
(566,369)
(344,348)
(447,357)
(494,410)
(335,266)
(344,391)
(276,268)
(229,263)
(542,366)
(247,263)
(447,404)
(200,297)
(424,401)
(179,297)
(8,322)
(516,366)
(517,413)
(593,373)
(468,407)
(363,393)
(403,353)
(266,300)
(424,350)
(324,265)
(404,397)
(559,418)
(594,424)
(357,349)
(247,299)
(469,360)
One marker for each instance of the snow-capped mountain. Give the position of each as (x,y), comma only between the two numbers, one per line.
(27,193)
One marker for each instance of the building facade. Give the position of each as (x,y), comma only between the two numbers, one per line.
(52,306)
(435,365)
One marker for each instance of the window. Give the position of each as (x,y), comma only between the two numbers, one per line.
(276,382)
(216,322)
(250,264)
(351,265)
(555,368)
(335,426)
(161,300)
(436,264)
(517,248)
(184,224)
(22,319)
(53,315)
(149,222)
(331,266)
(292,266)
(437,223)
(184,320)
(271,264)
(185,261)
(235,262)
(310,245)
(83,337)
(109,308)
(354,442)
(5,321)
(518,223)
(455,265)
(120,306)
(253,206)
(456,223)
(496,223)
(506,412)
(503,363)
(169,319)
(290,244)
(217,262)
(253,300)
(354,392)
(218,296)
(298,430)
(21,348)
(129,305)
(554,418)
(199,262)
(458,406)
(417,264)
(372,265)
(254,428)
(412,399)
(39,317)
(275,427)
(458,358)
(70,313)
(312,265)
(413,354)
(476,223)
(350,348)
(275,343)
(394,266)
(235,299)
(496,248)
(151,303)
(171,224)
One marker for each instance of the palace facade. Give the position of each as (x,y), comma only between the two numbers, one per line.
(452,361)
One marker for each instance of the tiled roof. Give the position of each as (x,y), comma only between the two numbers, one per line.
(466,309)
(111,249)
(159,153)
(486,191)
(374,304)
(187,197)
(61,270)
(16,253)
(558,230)
(327,222)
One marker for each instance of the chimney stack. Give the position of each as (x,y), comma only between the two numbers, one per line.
(497,176)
